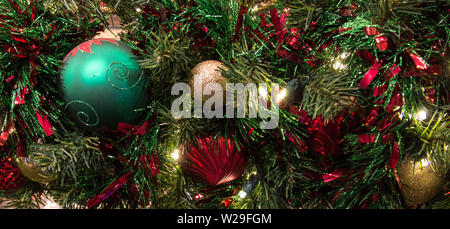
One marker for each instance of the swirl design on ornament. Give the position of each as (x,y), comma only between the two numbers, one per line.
(118,75)
(83,116)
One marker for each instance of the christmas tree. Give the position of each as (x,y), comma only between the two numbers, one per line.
(232,104)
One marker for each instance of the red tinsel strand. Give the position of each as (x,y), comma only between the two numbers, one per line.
(237,30)
(108,191)
(10,176)
(45,123)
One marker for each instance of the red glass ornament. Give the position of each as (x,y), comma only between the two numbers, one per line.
(213,161)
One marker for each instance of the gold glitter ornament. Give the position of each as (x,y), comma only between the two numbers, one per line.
(33,171)
(420,181)
(208,72)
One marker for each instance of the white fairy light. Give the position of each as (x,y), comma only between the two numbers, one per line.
(242,194)
(51,205)
(338,65)
(422,115)
(345,55)
(424,162)
(281,96)
(176,154)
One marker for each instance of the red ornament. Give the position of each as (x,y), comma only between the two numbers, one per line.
(10,176)
(213,161)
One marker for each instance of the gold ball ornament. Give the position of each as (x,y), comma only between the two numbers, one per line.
(420,181)
(33,171)
(205,73)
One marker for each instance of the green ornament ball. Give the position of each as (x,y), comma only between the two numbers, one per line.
(103,85)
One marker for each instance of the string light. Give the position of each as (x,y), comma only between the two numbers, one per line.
(176,154)
(199,196)
(242,194)
(338,65)
(345,55)
(50,203)
(281,96)
(424,162)
(421,115)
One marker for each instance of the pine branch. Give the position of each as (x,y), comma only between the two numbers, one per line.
(327,94)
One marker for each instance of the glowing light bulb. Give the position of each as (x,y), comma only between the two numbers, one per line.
(49,203)
(345,55)
(176,154)
(52,205)
(281,96)
(422,115)
(242,194)
(424,162)
(338,65)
